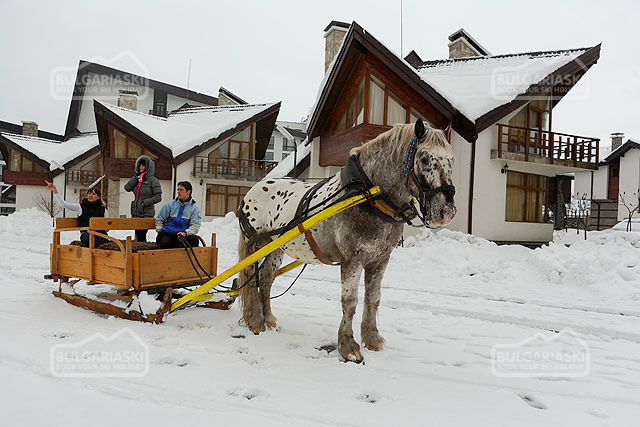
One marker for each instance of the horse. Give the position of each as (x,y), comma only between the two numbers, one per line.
(409,163)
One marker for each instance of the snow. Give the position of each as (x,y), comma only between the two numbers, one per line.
(55,153)
(190,127)
(447,301)
(477,86)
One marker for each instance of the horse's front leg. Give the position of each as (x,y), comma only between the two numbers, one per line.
(349,348)
(368,329)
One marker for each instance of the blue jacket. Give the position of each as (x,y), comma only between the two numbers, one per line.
(176,216)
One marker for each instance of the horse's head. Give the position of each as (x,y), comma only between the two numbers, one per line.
(431,182)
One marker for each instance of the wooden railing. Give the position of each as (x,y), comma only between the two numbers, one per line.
(552,145)
(253,170)
(84,178)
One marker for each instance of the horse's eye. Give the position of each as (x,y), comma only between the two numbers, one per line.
(423,160)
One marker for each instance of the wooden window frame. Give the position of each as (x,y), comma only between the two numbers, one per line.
(127,140)
(527,189)
(209,191)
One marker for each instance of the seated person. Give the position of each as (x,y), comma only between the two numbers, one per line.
(91,206)
(179,217)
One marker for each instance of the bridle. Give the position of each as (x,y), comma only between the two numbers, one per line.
(424,192)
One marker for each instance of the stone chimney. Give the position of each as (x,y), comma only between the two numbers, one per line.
(616,140)
(333,35)
(128,99)
(463,45)
(30,128)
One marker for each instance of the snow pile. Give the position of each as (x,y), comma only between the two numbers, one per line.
(27,222)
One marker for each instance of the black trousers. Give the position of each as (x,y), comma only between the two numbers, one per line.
(167,241)
(141,235)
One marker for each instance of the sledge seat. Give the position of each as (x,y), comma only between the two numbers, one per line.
(142,270)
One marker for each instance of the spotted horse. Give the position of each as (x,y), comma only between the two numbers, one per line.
(411,164)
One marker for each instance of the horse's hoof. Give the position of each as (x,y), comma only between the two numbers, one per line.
(374,343)
(271,321)
(352,354)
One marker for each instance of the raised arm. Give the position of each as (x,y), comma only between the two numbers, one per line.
(75,207)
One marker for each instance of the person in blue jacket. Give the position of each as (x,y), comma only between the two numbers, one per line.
(179,217)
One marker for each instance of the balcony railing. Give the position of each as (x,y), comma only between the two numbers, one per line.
(253,170)
(543,144)
(82,177)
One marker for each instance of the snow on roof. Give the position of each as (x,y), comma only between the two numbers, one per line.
(189,127)
(477,85)
(53,152)
(285,167)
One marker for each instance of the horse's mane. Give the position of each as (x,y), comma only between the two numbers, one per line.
(399,137)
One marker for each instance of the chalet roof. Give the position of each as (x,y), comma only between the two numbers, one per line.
(86,67)
(621,150)
(479,84)
(296,133)
(189,128)
(55,154)
(462,90)
(232,95)
(15,128)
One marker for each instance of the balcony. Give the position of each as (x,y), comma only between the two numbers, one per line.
(553,148)
(251,170)
(82,177)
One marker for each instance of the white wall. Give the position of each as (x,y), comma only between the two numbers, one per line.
(582,184)
(490,191)
(629,180)
(460,177)
(26,195)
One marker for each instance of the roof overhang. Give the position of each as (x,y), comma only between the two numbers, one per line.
(568,75)
(23,151)
(621,151)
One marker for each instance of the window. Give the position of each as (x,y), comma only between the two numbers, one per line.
(159,103)
(376,102)
(268,155)
(20,163)
(285,155)
(355,111)
(223,198)
(288,145)
(526,199)
(396,111)
(271,142)
(126,148)
(414,116)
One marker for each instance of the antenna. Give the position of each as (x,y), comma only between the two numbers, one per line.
(188,79)
(401,54)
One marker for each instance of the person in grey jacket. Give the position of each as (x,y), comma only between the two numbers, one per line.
(147,192)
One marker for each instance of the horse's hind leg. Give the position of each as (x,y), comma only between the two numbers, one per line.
(252,310)
(348,347)
(268,273)
(368,329)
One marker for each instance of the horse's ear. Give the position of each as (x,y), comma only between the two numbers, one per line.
(419,129)
(447,132)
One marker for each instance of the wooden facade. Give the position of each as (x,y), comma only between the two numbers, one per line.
(335,146)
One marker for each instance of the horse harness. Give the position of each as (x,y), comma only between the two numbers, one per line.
(354,180)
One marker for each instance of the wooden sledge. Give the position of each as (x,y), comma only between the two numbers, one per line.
(158,271)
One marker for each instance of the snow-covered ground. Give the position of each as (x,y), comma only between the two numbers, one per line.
(447,301)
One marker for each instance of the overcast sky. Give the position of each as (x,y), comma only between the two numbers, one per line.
(270,51)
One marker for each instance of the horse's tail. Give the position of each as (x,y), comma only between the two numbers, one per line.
(252,310)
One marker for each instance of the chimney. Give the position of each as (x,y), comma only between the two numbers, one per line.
(333,35)
(463,45)
(616,140)
(30,128)
(128,99)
